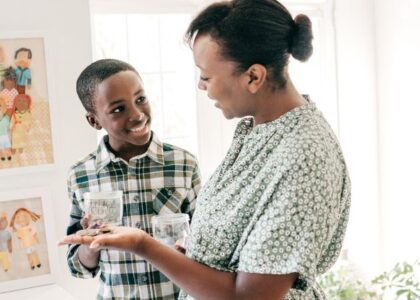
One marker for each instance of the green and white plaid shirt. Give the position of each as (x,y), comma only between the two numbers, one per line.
(165,179)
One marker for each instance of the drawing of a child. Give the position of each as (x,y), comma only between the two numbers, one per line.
(5,144)
(23,58)
(27,235)
(21,121)
(9,90)
(5,242)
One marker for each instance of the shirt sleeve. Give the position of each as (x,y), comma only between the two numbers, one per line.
(76,213)
(297,226)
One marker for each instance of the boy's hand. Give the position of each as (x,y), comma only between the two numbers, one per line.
(86,221)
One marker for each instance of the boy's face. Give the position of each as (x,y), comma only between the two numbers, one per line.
(123,110)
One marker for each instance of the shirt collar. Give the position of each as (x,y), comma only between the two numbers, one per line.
(104,156)
(290,118)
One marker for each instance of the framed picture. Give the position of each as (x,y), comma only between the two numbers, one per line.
(25,121)
(27,249)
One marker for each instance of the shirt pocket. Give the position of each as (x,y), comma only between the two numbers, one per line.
(168,200)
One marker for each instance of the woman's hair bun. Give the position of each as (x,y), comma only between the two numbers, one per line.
(301,39)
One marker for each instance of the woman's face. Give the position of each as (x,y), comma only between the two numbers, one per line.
(218,78)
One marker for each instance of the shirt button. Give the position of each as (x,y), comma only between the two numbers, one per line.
(136,198)
(143,278)
(138,225)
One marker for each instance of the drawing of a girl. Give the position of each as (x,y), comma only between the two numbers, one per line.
(5,145)
(21,121)
(9,90)
(27,235)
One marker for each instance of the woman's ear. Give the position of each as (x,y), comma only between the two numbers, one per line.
(255,76)
(91,118)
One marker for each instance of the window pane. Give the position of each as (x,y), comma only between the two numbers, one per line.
(144,42)
(311,77)
(178,108)
(174,51)
(153,87)
(153,44)
(110,37)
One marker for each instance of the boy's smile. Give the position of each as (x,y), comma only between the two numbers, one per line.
(123,110)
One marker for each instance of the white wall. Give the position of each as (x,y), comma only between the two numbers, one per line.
(66,26)
(398,67)
(355,39)
(378,46)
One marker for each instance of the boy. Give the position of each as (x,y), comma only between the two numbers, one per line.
(156,178)
(23,58)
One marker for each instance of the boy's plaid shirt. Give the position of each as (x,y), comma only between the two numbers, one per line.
(165,179)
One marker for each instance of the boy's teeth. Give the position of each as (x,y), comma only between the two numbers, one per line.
(136,129)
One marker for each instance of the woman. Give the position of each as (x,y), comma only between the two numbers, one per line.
(273,215)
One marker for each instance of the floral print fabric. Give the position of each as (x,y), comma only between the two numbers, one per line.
(278,203)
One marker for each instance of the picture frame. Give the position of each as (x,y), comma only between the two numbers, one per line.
(32,260)
(30,129)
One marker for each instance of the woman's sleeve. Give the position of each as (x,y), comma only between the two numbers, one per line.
(299,226)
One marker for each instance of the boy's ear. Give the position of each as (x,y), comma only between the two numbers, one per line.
(91,118)
(255,77)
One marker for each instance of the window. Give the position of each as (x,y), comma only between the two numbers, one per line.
(316,77)
(149,35)
(153,44)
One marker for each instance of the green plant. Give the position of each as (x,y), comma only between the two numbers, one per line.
(341,284)
(401,282)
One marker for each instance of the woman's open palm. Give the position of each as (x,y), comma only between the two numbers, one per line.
(119,238)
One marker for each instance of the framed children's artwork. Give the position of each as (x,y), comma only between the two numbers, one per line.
(25,120)
(28,254)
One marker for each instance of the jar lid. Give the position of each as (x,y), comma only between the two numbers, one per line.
(170,219)
(103,195)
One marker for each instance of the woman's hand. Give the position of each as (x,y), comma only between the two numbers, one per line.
(120,238)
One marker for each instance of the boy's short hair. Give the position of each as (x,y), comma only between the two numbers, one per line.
(94,74)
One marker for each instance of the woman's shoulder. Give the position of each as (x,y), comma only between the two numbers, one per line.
(311,139)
